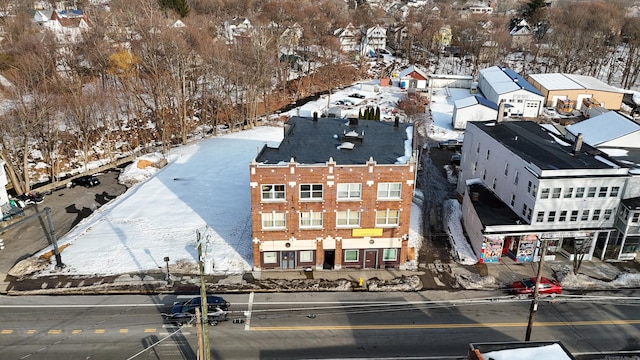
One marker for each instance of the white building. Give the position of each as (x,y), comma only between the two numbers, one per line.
(519,185)
(520,97)
(374,38)
(348,38)
(472,108)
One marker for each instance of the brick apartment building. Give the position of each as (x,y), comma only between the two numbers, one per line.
(335,194)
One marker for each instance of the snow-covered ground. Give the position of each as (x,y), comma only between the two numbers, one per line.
(205,189)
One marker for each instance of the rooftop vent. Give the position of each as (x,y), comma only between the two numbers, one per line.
(346,146)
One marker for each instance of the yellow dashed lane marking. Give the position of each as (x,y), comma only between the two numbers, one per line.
(124,331)
(54,332)
(76,331)
(30,332)
(100,331)
(150,330)
(6,332)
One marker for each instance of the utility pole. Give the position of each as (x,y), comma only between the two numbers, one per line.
(534,302)
(203,302)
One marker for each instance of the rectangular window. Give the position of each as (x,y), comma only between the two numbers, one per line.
(585,215)
(488,154)
(310,219)
(306,256)
(524,209)
(484,174)
(563,215)
(270,257)
(351,255)
(580,192)
(614,191)
(475,166)
(568,192)
(506,169)
(556,193)
(544,193)
(574,215)
(493,185)
(387,217)
(516,178)
(635,217)
(591,192)
(349,191)
(348,218)
(389,191)
(273,220)
(310,191)
(607,214)
(603,191)
(596,215)
(552,216)
(534,193)
(390,255)
(513,199)
(478,148)
(529,214)
(273,192)
(529,187)
(540,216)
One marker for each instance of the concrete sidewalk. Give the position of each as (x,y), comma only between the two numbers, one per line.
(441,276)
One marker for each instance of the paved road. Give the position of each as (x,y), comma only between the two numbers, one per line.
(68,207)
(307,325)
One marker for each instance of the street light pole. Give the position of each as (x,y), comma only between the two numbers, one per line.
(203,302)
(534,302)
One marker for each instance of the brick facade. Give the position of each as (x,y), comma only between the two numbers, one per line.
(328,240)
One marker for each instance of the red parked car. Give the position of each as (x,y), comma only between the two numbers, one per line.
(526,286)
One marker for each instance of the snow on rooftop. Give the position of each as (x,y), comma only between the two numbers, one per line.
(603,128)
(547,352)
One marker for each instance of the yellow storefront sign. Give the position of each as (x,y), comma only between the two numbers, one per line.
(366,232)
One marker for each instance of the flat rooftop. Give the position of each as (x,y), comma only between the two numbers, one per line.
(313,142)
(534,144)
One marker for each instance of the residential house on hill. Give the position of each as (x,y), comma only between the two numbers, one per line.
(348,38)
(413,78)
(374,38)
(521,34)
(334,194)
(67,25)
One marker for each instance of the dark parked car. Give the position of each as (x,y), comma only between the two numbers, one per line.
(451,144)
(190,305)
(86,181)
(526,286)
(357,96)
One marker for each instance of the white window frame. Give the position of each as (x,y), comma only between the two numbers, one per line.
(388,191)
(387,252)
(270,257)
(305,256)
(311,220)
(273,194)
(272,223)
(388,220)
(351,190)
(311,194)
(350,214)
(357,252)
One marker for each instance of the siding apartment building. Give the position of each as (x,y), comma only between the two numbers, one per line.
(336,193)
(521,184)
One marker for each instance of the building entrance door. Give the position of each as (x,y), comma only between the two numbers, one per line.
(288,260)
(329,259)
(371,259)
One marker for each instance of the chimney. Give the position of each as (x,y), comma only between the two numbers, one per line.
(315,116)
(396,122)
(500,111)
(577,145)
